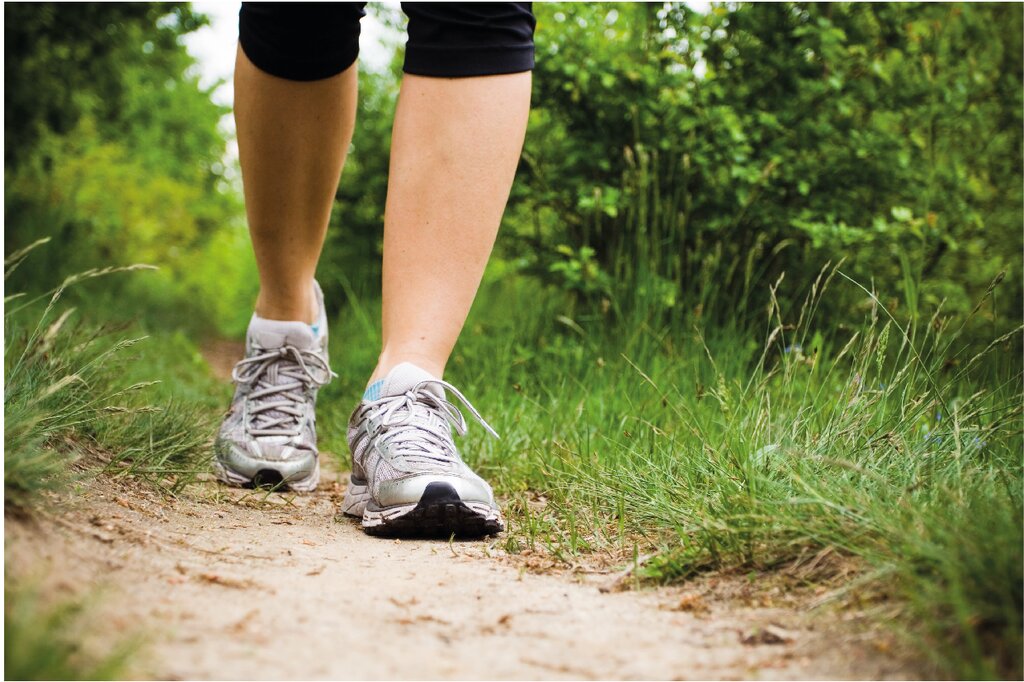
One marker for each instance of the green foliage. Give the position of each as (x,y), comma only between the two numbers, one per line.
(888,135)
(351,265)
(113,149)
(120,64)
(756,139)
(579,271)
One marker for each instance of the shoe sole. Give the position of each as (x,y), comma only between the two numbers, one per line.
(440,512)
(268,477)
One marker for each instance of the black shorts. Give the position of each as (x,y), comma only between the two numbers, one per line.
(308,41)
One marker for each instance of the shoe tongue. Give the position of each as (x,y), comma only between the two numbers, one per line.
(403,378)
(270,334)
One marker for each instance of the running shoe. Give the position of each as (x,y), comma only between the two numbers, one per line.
(407,475)
(268,437)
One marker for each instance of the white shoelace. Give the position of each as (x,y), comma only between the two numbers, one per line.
(285,373)
(415,424)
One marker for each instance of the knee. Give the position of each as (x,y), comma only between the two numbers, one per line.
(300,41)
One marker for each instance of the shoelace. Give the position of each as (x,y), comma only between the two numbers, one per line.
(301,369)
(415,424)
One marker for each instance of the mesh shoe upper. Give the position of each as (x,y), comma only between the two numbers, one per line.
(272,416)
(402,430)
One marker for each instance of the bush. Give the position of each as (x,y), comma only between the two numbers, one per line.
(761,138)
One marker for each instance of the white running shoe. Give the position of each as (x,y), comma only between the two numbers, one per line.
(269,435)
(407,475)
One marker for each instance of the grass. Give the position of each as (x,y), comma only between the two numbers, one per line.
(72,387)
(701,444)
(713,446)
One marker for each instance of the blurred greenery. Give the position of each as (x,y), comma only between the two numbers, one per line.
(750,141)
(686,178)
(113,149)
(43,638)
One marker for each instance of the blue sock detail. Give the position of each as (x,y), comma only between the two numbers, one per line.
(316,329)
(372,391)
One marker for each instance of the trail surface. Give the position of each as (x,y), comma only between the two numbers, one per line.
(234,584)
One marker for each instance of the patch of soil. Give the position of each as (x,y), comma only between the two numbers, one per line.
(232,584)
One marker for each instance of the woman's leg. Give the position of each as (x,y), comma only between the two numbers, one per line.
(457,137)
(292,140)
(295,98)
(454,152)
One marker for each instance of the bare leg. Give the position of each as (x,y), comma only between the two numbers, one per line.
(292,141)
(454,150)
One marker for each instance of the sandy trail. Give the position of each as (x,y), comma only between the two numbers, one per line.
(236,584)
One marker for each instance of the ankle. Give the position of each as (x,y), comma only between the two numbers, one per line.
(298,306)
(388,361)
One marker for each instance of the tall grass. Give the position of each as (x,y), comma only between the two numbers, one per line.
(894,443)
(66,394)
(725,421)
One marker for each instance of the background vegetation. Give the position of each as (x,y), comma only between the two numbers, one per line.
(772,255)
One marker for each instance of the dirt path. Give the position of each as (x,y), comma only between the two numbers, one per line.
(234,584)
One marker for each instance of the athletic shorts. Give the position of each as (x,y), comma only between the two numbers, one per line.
(308,41)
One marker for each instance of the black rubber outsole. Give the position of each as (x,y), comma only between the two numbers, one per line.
(268,478)
(440,513)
